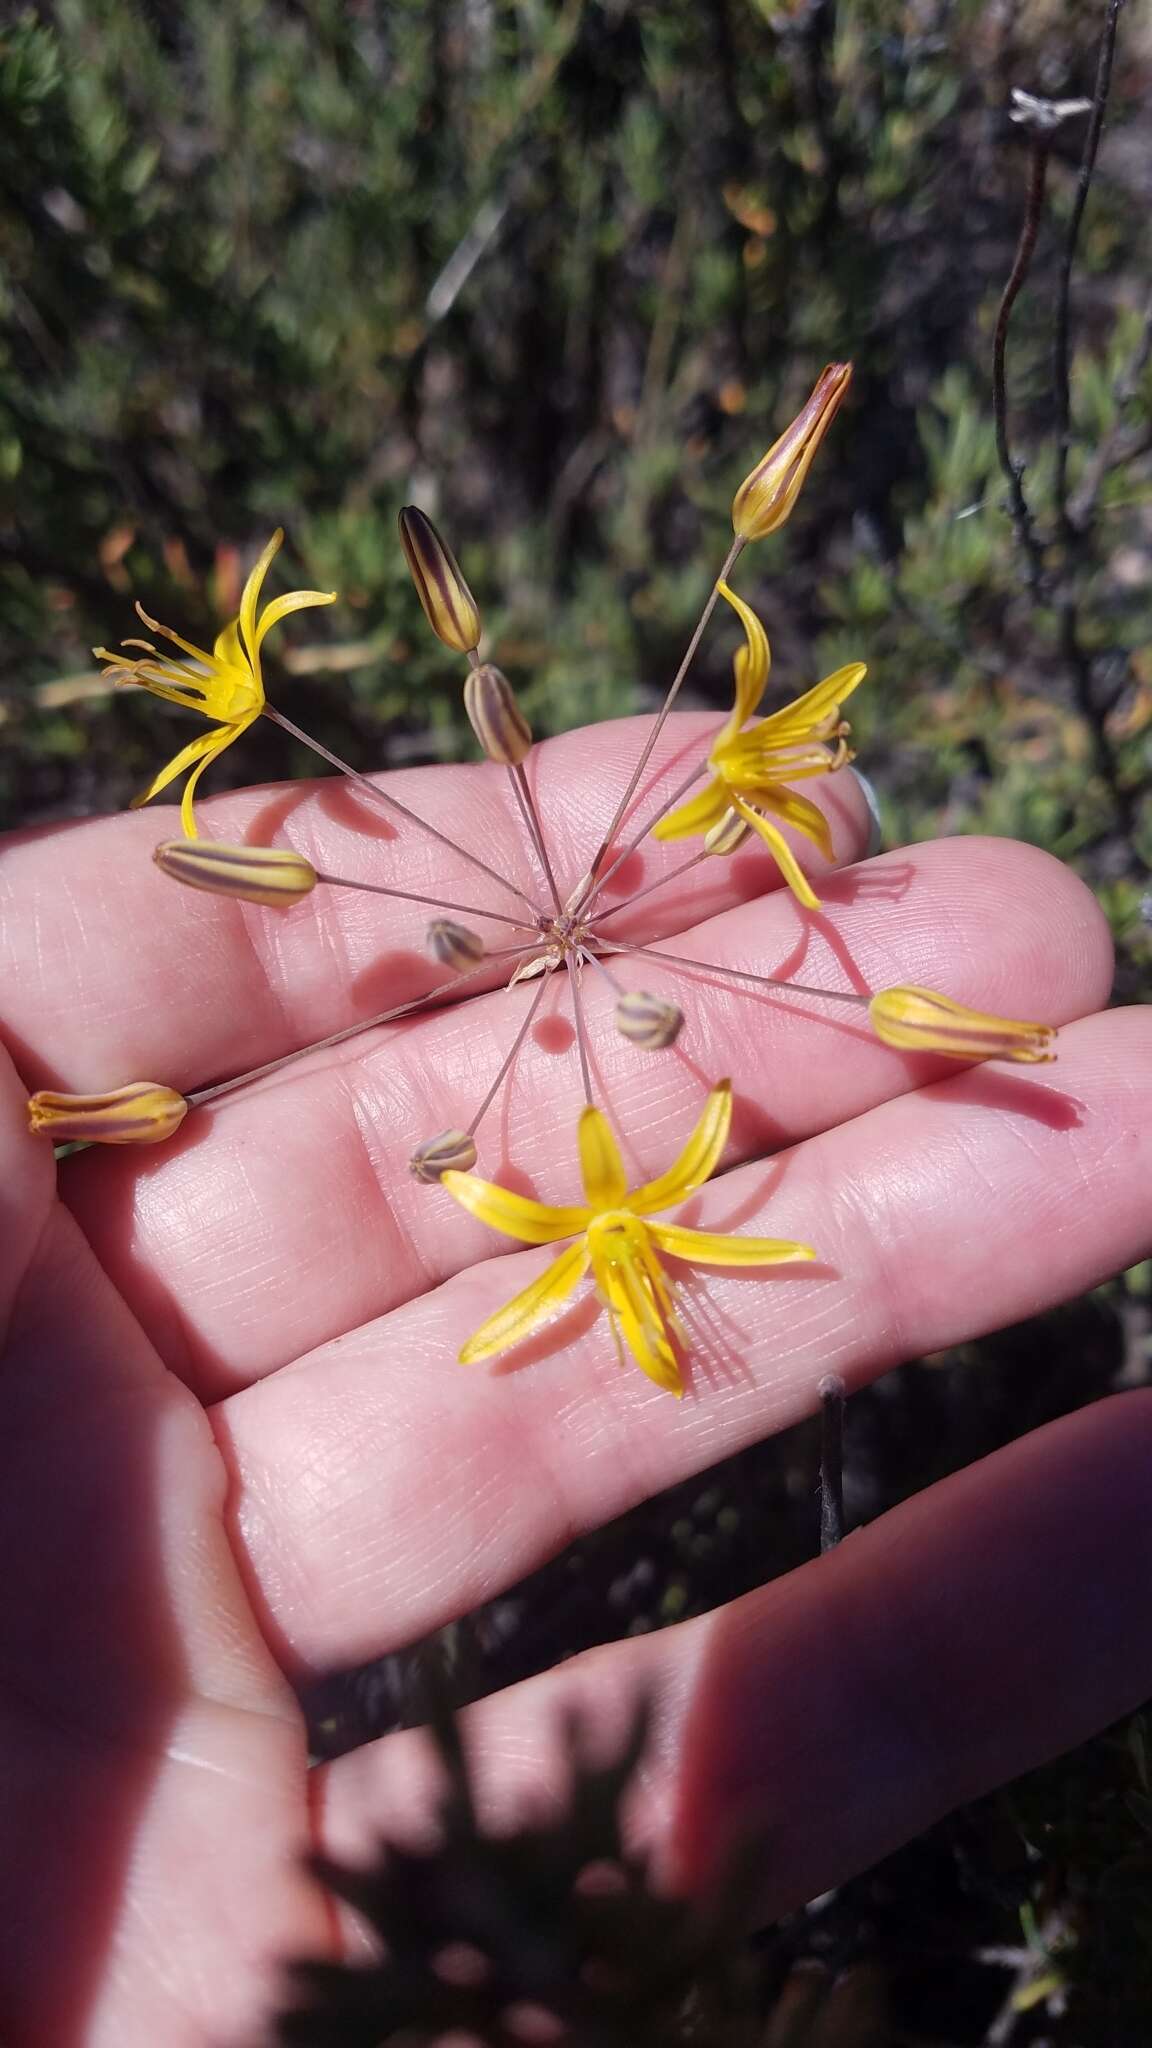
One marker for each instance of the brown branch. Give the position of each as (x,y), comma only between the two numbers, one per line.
(1027,539)
(1061,340)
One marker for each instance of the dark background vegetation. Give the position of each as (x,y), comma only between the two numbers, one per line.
(560,272)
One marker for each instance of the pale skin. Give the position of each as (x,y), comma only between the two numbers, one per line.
(237,1447)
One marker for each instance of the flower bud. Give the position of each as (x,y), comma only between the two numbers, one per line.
(449,605)
(143,1113)
(495,716)
(650,1021)
(253,874)
(454,945)
(918,1020)
(731,832)
(449,1149)
(766,497)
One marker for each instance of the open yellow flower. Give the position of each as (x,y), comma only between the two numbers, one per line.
(750,770)
(225,686)
(613,1239)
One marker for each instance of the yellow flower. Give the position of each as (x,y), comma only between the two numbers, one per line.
(615,1241)
(918,1020)
(749,768)
(226,685)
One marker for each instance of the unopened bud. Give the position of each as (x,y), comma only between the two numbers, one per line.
(253,874)
(449,1149)
(766,497)
(449,605)
(143,1113)
(919,1020)
(495,716)
(454,945)
(650,1021)
(731,832)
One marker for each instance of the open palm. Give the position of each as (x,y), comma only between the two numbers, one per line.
(237,1446)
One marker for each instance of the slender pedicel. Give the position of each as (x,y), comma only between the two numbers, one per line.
(730,561)
(200,1096)
(600,882)
(795,988)
(575,970)
(278,876)
(537,924)
(393,803)
(510,1055)
(661,882)
(528,812)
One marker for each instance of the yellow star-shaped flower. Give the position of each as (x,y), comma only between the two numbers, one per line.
(613,1238)
(750,770)
(226,685)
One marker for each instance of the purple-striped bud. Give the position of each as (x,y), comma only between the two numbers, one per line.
(253,874)
(143,1113)
(449,605)
(495,716)
(454,945)
(650,1021)
(448,1149)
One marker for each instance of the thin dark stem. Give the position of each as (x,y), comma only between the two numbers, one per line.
(432,902)
(791,988)
(528,812)
(661,882)
(574,973)
(1022,526)
(517,1042)
(393,803)
(1061,338)
(601,882)
(201,1096)
(730,560)
(1124,444)
(832,1404)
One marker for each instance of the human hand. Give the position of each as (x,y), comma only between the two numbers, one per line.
(237,1446)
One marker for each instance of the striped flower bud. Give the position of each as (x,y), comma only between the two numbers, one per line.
(253,874)
(726,836)
(495,716)
(650,1021)
(449,605)
(454,945)
(918,1020)
(143,1113)
(436,1155)
(766,497)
